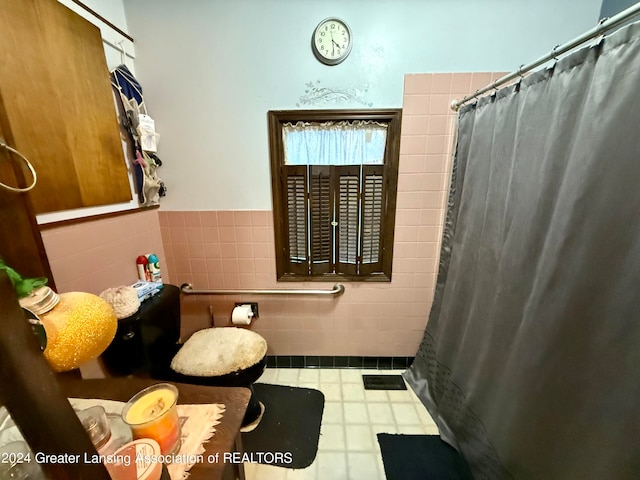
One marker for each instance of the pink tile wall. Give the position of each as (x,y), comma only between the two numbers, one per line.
(235,249)
(99,254)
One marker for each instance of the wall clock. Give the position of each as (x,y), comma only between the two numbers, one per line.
(331,41)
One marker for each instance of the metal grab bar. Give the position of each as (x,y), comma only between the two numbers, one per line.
(337,290)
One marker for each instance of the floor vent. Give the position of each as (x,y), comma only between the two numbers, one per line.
(383,382)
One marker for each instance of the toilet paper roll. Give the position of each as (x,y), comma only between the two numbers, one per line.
(242,315)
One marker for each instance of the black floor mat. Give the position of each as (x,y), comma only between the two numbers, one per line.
(289,431)
(421,457)
(383,382)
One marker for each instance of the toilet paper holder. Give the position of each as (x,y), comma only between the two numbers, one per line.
(253,305)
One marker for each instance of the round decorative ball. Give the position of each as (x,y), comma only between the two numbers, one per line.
(124,300)
(78,329)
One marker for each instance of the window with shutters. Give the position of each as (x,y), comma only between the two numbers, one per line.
(334,181)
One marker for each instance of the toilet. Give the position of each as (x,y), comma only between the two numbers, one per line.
(146,345)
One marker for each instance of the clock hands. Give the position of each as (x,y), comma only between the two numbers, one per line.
(334,44)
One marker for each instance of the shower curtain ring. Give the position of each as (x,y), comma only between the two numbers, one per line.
(600,37)
(519,81)
(554,56)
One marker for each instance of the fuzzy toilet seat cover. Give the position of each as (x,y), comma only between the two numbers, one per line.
(218,351)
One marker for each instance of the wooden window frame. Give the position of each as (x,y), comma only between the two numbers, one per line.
(276,120)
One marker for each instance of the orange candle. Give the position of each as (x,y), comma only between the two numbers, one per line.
(152,413)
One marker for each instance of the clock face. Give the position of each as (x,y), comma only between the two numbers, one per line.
(331,42)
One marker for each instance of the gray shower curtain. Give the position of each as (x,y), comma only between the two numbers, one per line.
(530,362)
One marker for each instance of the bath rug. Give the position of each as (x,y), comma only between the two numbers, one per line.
(421,457)
(383,382)
(289,431)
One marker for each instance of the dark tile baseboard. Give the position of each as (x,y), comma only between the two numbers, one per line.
(312,361)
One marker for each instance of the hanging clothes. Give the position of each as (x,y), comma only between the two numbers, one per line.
(129,88)
(143,141)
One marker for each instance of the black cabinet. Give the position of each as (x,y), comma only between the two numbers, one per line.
(146,341)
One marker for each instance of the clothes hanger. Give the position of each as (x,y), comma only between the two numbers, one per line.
(123,53)
(138,108)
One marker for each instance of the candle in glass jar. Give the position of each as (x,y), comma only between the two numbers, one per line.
(152,413)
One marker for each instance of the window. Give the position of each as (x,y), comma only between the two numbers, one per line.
(334,176)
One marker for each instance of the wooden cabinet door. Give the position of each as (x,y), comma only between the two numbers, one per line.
(57,108)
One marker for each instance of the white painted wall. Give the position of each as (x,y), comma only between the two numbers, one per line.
(211,69)
(613,7)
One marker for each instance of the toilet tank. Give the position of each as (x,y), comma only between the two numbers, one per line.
(146,341)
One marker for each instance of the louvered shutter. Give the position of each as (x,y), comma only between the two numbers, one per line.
(295,224)
(321,216)
(347,188)
(372,215)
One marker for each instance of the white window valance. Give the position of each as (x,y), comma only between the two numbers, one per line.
(357,142)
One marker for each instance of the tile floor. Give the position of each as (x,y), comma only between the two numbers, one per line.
(348,448)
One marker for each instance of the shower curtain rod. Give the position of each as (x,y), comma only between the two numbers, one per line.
(603,26)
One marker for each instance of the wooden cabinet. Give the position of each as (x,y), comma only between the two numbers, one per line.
(56,106)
